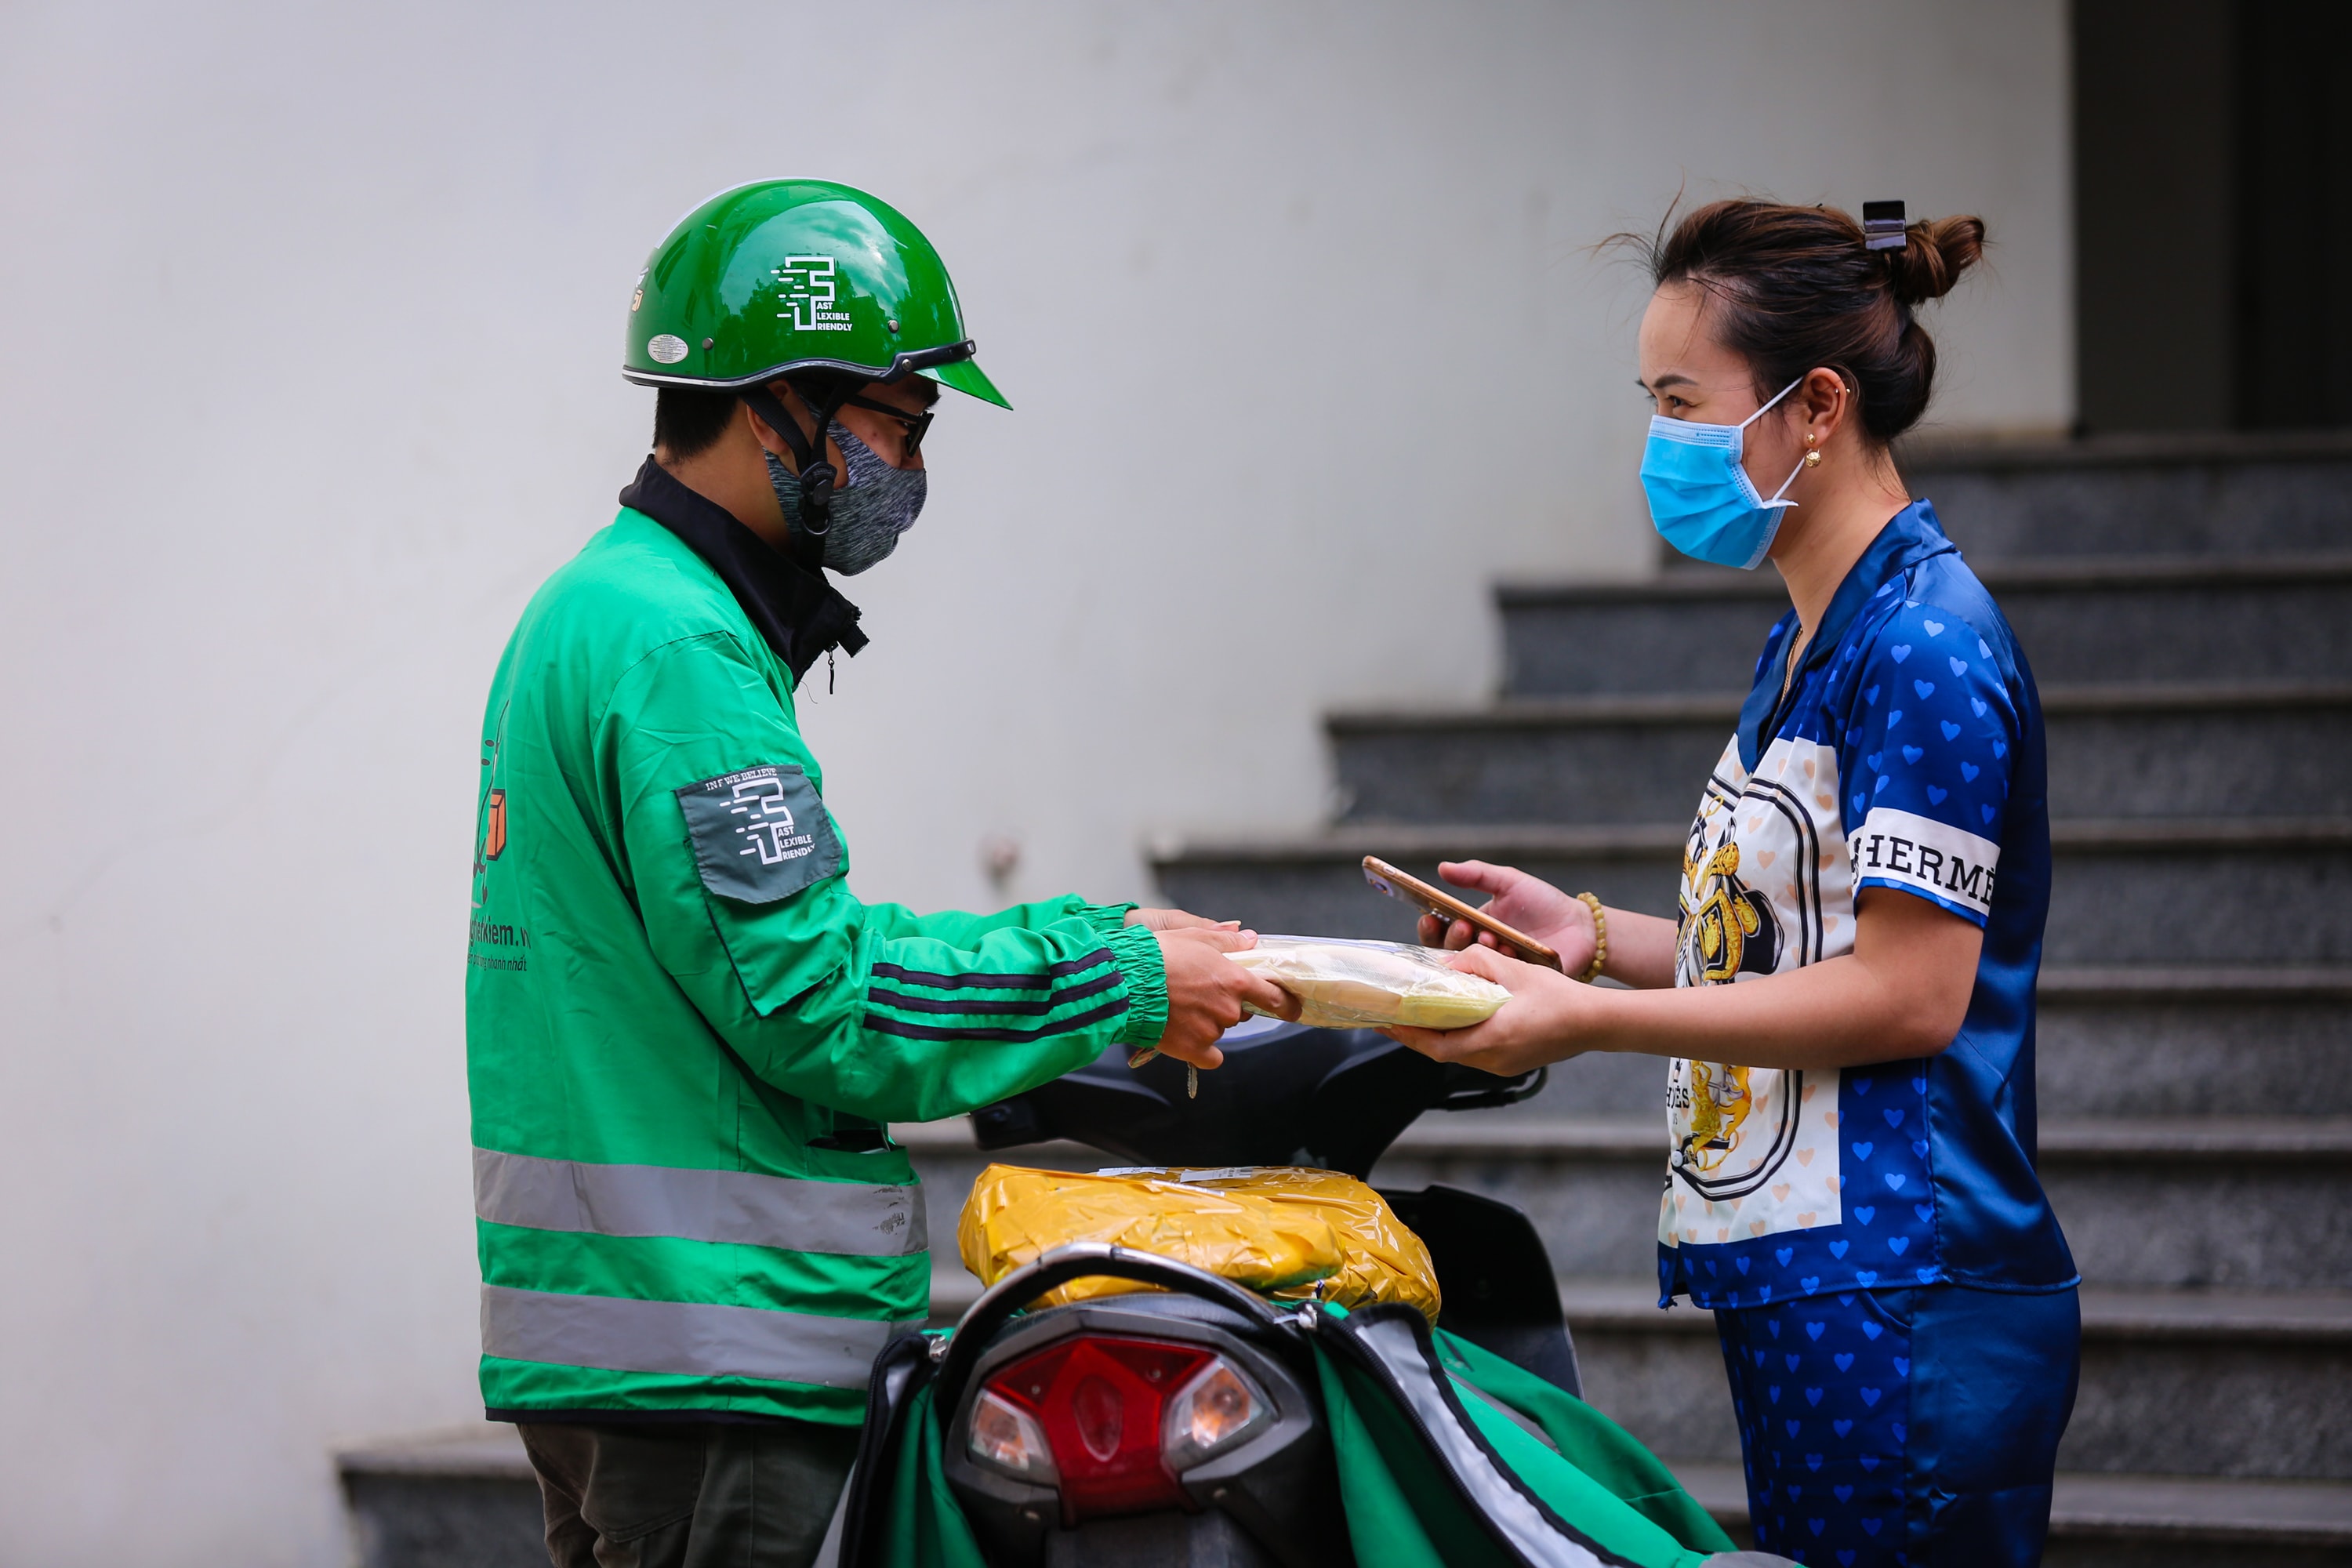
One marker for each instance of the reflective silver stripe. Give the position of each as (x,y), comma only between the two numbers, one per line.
(1524,1525)
(855,1219)
(687,1339)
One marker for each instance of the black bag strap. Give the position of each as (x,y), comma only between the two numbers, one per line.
(901,1370)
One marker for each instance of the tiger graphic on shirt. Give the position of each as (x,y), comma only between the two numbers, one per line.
(1767,888)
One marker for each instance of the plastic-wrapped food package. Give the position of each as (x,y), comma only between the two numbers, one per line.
(1380,1258)
(1283,1230)
(1344,984)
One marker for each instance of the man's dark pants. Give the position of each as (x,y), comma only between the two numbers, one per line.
(688,1496)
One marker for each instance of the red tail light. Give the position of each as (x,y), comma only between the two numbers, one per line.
(1117,1417)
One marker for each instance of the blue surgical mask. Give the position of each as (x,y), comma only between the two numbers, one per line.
(1701,499)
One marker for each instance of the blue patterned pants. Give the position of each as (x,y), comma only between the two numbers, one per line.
(1917,1427)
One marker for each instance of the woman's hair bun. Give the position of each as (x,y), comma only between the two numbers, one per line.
(1794,289)
(1939,250)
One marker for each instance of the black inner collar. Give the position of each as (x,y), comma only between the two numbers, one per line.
(800,614)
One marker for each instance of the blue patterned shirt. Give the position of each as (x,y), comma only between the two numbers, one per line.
(1907,754)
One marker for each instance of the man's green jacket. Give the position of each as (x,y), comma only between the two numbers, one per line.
(684,1031)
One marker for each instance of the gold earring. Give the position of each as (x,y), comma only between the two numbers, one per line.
(1812,460)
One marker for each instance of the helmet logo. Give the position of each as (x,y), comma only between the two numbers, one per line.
(806,293)
(667,349)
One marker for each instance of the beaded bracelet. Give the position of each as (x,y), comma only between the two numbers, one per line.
(1599,939)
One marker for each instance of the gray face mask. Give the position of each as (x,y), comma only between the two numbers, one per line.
(875,504)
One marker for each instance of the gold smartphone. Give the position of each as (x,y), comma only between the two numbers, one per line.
(1411,890)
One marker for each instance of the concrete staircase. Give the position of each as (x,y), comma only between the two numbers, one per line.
(2187,607)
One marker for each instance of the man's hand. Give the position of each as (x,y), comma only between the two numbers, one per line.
(1177,920)
(1539,1024)
(1559,921)
(1209,994)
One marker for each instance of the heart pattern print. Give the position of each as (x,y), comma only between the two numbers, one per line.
(1821,1391)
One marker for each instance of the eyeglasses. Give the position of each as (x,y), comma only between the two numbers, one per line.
(916,424)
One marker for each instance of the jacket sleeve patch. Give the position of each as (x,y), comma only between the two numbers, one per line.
(761,835)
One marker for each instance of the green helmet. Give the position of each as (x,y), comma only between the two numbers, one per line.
(791,275)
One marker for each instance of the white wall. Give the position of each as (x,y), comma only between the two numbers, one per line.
(309,325)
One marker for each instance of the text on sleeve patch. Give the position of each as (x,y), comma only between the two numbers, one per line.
(760,834)
(1935,857)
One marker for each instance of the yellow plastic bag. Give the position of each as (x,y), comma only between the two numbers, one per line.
(1380,1258)
(1282,1230)
(1344,984)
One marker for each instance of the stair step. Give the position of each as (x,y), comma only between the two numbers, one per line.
(2114,619)
(2233,1317)
(2228,494)
(488,1450)
(1641,840)
(439,1522)
(1723,708)
(2127,751)
(2192,1041)
(2241,984)
(463,1498)
(2189,1512)
(2150,891)
(2243,1384)
(2183,1041)
(2217,1208)
(2313,1141)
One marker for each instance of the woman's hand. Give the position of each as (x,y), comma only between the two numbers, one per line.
(1903,992)
(1177,920)
(1561,921)
(1541,1024)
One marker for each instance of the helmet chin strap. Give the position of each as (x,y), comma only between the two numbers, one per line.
(817,476)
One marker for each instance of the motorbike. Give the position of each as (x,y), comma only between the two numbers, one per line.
(1180,1426)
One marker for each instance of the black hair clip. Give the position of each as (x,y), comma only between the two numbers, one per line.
(1882,226)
